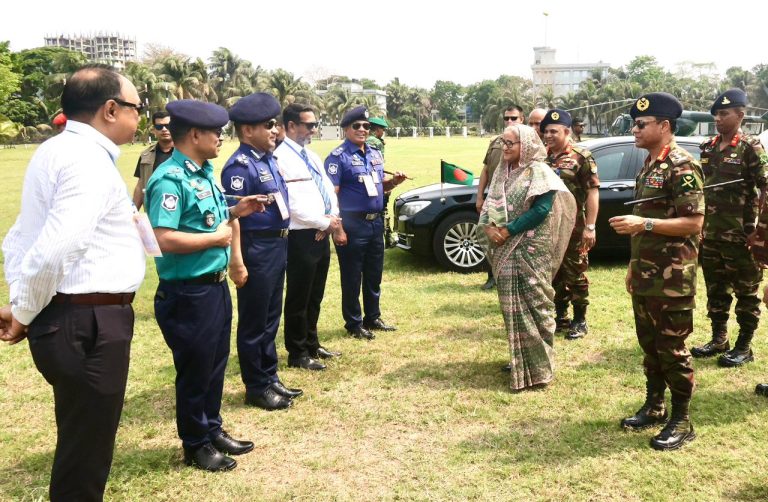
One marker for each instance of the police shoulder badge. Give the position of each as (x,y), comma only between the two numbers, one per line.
(237,183)
(333,168)
(643,104)
(242,159)
(170,201)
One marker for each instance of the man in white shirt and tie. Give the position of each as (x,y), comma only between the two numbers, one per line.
(73,261)
(314,216)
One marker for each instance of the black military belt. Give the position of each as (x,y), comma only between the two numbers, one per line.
(361,214)
(212,278)
(94,299)
(283,232)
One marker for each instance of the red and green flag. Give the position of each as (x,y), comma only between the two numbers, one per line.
(451,173)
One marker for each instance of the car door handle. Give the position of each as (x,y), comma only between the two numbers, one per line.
(619,187)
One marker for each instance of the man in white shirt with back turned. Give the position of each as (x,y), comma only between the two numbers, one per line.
(73,261)
(314,216)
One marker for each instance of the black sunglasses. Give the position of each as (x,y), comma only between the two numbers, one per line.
(309,125)
(357,125)
(508,118)
(270,123)
(139,108)
(160,127)
(641,124)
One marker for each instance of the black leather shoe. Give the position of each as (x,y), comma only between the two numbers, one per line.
(577,329)
(285,391)
(735,357)
(762,389)
(208,458)
(645,418)
(227,444)
(711,348)
(489,284)
(361,333)
(507,368)
(674,435)
(306,363)
(323,353)
(268,400)
(378,324)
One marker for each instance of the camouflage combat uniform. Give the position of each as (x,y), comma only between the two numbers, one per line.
(731,210)
(578,170)
(493,156)
(663,270)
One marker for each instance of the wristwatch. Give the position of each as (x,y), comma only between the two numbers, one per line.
(591,227)
(648,225)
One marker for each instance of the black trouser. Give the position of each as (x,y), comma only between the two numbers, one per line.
(83,352)
(308,262)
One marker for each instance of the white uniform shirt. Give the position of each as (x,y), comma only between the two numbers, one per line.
(306,202)
(75,232)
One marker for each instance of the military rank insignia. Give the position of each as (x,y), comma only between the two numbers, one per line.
(242,158)
(655,181)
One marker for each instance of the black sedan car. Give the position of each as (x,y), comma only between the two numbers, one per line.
(442,224)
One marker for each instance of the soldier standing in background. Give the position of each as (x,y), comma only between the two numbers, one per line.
(662,269)
(578,170)
(731,210)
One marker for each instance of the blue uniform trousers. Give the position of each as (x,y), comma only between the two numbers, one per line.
(259,307)
(196,321)
(361,262)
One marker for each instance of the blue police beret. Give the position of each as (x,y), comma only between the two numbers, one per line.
(555,116)
(197,113)
(357,113)
(657,104)
(729,99)
(255,108)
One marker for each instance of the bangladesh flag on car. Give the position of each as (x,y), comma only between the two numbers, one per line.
(450,173)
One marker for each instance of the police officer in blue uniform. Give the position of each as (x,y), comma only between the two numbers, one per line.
(258,269)
(357,172)
(193,308)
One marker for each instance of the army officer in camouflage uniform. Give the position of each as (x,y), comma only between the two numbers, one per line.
(662,269)
(578,170)
(731,210)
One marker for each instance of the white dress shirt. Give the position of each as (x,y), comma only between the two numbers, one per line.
(75,232)
(306,202)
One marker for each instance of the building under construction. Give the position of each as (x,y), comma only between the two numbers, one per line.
(108,48)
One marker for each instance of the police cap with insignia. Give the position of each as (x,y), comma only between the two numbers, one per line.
(255,108)
(729,99)
(657,104)
(555,116)
(378,122)
(357,113)
(194,113)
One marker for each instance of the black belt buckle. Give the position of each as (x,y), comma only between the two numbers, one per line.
(371,216)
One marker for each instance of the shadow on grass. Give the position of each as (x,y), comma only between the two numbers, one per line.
(404,261)
(129,466)
(750,492)
(485,375)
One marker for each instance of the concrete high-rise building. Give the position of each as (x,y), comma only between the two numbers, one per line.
(108,48)
(561,78)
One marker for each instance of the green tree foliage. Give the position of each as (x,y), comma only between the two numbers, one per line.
(448,98)
(9,80)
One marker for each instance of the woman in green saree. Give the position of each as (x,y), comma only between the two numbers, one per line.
(524,227)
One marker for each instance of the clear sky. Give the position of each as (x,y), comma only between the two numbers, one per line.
(419,42)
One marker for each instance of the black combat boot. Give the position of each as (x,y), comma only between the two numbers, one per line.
(717,345)
(762,389)
(741,352)
(578,327)
(561,317)
(678,430)
(652,412)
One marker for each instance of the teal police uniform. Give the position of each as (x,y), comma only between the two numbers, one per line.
(192,304)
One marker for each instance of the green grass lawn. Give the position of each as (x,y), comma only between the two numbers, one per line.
(423,413)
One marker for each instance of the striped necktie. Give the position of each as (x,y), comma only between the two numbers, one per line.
(318,181)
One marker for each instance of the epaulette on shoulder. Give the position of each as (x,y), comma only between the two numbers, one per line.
(680,156)
(581,151)
(337,151)
(751,140)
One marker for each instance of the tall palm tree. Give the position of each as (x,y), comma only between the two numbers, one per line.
(183,80)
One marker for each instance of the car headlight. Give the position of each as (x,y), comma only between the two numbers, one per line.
(411,208)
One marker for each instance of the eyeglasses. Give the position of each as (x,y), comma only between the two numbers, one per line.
(270,124)
(507,143)
(160,127)
(309,125)
(512,118)
(217,132)
(139,108)
(357,125)
(641,124)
